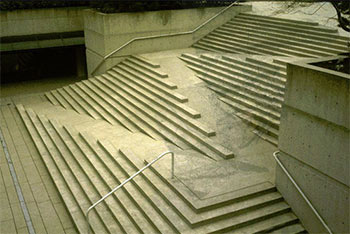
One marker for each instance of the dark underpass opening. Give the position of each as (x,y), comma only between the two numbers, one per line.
(40,64)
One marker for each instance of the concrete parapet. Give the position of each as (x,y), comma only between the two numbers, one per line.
(106,32)
(314,143)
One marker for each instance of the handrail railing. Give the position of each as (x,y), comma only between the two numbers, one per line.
(127,180)
(160,36)
(301,193)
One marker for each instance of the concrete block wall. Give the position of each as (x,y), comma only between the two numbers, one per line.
(314,144)
(106,32)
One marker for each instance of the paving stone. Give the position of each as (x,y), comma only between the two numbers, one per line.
(7,226)
(51,221)
(18,215)
(35,217)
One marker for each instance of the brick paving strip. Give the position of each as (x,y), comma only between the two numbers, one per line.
(18,188)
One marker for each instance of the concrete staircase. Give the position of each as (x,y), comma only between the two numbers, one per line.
(84,169)
(253,87)
(254,34)
(137,95)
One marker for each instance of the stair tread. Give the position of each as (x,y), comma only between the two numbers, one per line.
(259,99)
(200,218)
(278,44)
(269,224)
(234,81)
(141,66)
(148,77)
(66,194)
(201,142)
(294,228)
(123,109)
(61,100)
(280,19)
(75,106)
(157,202)
(80,175)
(264,46)
(269,26)
(315,31)
(51,98)
(153,87)
(252,120)
(110,112)
(299,25)
(305,44)
(189,111)
(249,104)
(146,61)
(159,110)
(268,64)
(88,110)
(121,207)
(53,154)
(253,77)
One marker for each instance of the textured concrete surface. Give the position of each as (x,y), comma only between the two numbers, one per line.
(106,32)
(314,141)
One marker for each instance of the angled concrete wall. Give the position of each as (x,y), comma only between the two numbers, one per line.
(314,144)
(21,26)
(106,32)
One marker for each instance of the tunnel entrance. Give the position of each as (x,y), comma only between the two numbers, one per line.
(43,64)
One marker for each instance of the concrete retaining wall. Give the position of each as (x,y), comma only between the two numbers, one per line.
(106,32)
(47,22)
(314,144)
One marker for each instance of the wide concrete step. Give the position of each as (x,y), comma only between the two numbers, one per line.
(51,98)
(70,188)
(331,38)
(181,135)
(146,84)
(146,61)
(155,94)
(255,106)
(278,22)
(302,44)
(260,69)
(256,113)
(148,77)
(111,113)
(146,68)
(114,164)
(114,216)
(180,220)
(254,76)
(159,106)
(281,20)
(245,46)
(128,215)
(267,64)
(203,205)
(207,44)
(230,84)
(314,31)
(196,219)
(292,229)
(283,45)
(261,126)
(71,101)
(286,220)
(263,46)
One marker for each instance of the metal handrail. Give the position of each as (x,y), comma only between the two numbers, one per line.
(127,180)
(160,36)
(301,192)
